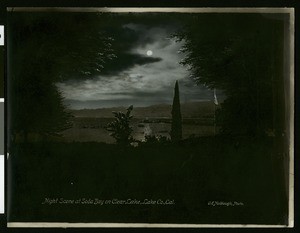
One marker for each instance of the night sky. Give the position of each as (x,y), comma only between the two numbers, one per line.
(144,72)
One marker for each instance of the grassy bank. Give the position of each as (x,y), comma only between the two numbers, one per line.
(201,180)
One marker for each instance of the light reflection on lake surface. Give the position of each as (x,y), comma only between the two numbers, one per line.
(93,129)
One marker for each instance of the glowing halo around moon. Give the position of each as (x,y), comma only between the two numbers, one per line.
(149,53)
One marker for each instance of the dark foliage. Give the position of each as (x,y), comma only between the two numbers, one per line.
(43,49)
(241,54)
(176,127)
(155,140)
(120,128)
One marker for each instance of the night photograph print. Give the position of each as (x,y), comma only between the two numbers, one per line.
(146,117)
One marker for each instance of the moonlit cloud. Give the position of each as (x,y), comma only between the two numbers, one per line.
(143,83)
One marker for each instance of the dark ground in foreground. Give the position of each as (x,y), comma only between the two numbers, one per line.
(202,180)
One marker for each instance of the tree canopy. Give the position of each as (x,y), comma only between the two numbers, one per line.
(241,54)
(44,48)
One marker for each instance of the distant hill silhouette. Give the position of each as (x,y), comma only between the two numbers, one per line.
(188,110)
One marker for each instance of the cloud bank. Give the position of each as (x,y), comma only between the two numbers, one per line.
(135,78)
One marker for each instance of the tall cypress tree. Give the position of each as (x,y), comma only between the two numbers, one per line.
(176,130)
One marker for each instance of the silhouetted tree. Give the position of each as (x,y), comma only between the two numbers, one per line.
(176,128)
(120,128)
(46,48)
(240,54)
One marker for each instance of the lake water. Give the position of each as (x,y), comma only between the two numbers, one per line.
(93,129)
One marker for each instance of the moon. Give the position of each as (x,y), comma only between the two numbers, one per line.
(149,53)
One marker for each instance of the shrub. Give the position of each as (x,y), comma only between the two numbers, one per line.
(120,128)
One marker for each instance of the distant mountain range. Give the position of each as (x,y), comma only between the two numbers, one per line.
(188,110)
